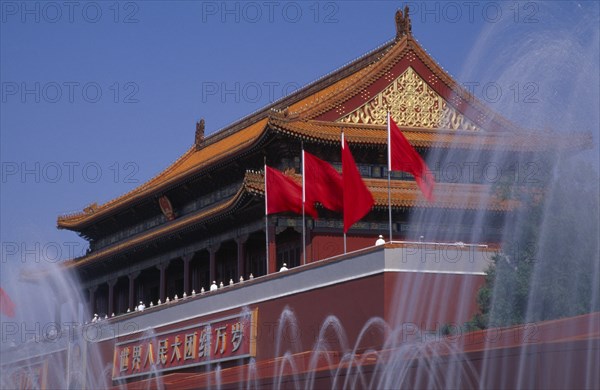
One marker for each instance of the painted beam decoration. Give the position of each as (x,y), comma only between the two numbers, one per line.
(166,207)
(210,342)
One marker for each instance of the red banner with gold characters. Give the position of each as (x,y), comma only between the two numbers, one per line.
(210,342)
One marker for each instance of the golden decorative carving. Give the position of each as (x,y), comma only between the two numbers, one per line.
(412,103)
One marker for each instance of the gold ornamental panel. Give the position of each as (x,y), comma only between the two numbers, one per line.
(412,103)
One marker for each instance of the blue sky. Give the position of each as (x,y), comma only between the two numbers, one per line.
(98,97)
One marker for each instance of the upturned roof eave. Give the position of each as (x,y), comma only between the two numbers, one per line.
(376,135)
(80,220)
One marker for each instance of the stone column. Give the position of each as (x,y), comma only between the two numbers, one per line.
(241,256)
(132,277)
(111,296)
(186,272)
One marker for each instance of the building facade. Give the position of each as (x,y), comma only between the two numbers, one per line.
(201,219)
(155,252)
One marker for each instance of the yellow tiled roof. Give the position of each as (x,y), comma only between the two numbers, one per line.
(296,113)
(407,194)
(427,138)
(404,194)
(229,141)
(163,230)
(192,161)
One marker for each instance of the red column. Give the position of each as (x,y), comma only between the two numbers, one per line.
(162,283)
(272,251)
(308,247)
(111,296)
(132,277)
(92,302)
(212,252)
(186,272)
(241,256)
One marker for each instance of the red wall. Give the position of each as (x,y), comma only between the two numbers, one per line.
(325,246)
(420,297)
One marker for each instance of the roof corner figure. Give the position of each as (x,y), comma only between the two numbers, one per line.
(199,137)
(403,25)
(380,241)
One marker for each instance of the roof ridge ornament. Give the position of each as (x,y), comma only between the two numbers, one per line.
(91,208)
(403,24)
(284,114)
(199,138)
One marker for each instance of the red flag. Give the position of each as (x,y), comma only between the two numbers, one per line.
(358,200)
(403,157)
(7,307)
(322,183)
(283,194)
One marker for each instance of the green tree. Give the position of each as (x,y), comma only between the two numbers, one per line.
(549,266)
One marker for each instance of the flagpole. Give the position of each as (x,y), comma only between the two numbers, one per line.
(303,210)
(266,219)
(389,155)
